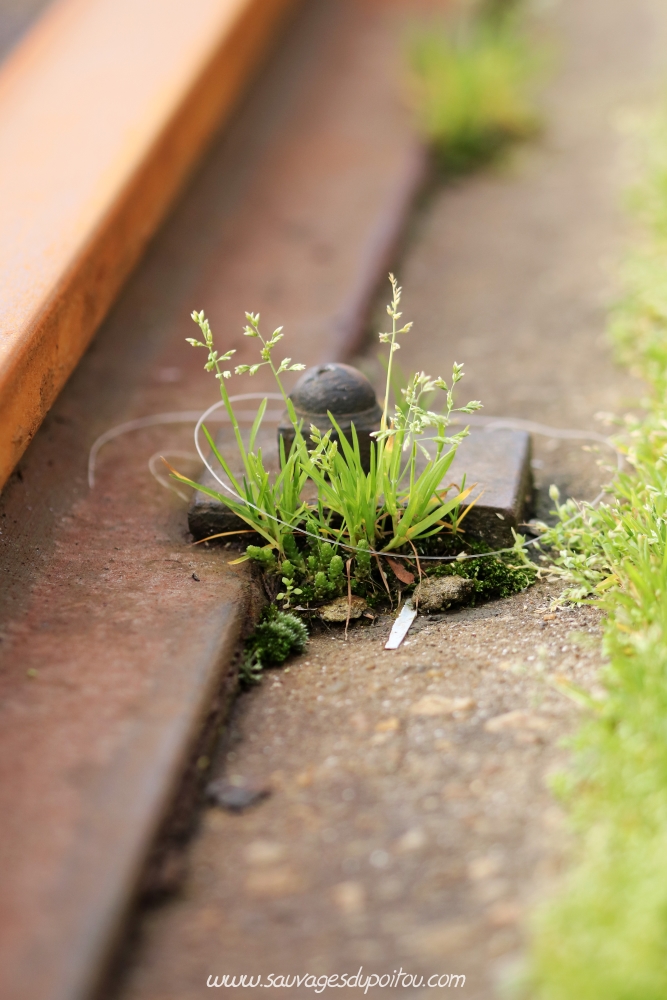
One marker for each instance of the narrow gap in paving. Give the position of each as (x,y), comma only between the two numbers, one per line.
(409,822)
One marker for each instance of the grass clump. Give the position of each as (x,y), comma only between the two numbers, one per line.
(314,551)
(606,935)
(472,86)
(348,541)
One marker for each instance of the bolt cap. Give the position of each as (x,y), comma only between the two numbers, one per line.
(337,388)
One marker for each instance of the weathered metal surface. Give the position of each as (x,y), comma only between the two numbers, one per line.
(336,388)
(341,390)
(105,107)
(111,656)
(498,462)
(110,649)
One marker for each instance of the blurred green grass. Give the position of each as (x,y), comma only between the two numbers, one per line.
(473,78)
(605,936)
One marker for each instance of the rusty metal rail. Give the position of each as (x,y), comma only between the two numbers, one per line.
(105,107)
(116,636)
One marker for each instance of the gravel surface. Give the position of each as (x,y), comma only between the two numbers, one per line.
(409,822)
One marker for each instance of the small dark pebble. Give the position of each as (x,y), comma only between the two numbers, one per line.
(195,577)
(235,798)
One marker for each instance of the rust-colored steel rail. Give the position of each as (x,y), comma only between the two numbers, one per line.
(104,109)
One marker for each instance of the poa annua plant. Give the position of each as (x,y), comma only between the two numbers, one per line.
(396,502)
(317,549)
(269,506)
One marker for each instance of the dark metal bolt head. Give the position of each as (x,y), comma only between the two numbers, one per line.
(342,391)
(338,388)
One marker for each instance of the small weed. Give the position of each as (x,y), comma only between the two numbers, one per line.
(276,637)
(311,550)
(472,86)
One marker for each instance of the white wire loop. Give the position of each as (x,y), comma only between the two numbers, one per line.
(156,419)
(489,424)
